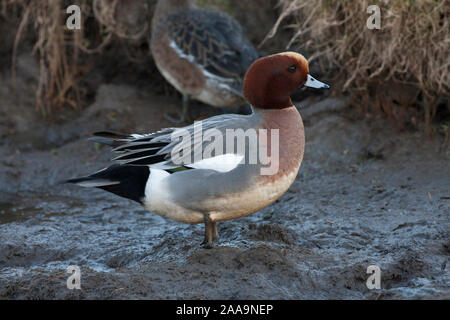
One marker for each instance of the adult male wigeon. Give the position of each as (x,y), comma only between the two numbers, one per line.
(203,53)
(206,188)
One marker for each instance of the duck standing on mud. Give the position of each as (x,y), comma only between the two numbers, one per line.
(203,53)
(195,186)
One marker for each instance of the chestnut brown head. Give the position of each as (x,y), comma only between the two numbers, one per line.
(271,80)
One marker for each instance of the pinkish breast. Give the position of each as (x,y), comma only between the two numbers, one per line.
(291,139)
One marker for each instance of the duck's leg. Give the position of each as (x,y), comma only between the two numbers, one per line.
(215,232)
(184,115)
(209,233)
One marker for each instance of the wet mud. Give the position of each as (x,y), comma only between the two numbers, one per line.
(366,194)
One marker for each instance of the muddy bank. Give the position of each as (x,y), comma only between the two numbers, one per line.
(366,194)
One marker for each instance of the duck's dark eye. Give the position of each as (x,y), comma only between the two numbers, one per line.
(292,69)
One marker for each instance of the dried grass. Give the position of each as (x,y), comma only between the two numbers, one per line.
(61,51)
(404,63)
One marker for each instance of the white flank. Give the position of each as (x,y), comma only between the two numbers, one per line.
(154,190)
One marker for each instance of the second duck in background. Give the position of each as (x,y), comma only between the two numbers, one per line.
(203,53)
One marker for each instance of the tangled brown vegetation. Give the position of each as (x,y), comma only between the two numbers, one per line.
(62,52)
(405,63)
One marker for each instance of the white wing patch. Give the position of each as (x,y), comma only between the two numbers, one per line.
(180,53)
(222,163)
(207,74)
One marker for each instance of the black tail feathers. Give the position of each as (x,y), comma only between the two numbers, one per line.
(123,180)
